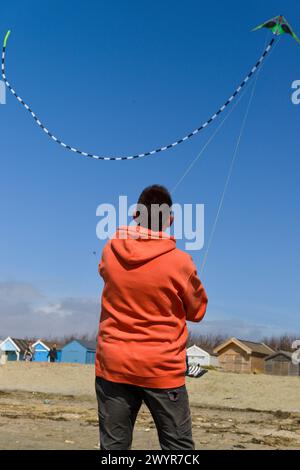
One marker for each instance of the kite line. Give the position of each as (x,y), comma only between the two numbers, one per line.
(228,178)
(233,158)
(140,155)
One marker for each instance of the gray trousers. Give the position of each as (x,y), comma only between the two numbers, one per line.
(119,404)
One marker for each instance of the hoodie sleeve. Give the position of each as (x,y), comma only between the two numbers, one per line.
(195,299)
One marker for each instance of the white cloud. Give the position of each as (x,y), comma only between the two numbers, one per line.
(25,311)
(12,292)
(232,326)
(52,309)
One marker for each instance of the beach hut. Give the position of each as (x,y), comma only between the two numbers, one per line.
(41,350)
(237,355)
(199,357)
(281,363)
(78,351)
(14,348)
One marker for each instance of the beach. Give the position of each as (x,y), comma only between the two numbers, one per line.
(53,406)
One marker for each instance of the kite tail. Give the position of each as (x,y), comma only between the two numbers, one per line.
(144,154)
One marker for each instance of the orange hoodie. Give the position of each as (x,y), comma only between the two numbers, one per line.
(150,289)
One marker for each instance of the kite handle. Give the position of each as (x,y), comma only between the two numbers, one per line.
(6,38)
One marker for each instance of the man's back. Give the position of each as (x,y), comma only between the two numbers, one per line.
(151,289)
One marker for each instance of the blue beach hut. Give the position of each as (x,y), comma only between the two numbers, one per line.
(14,348)
(80,352)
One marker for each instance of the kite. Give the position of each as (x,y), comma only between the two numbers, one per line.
(278,25)
(195,371)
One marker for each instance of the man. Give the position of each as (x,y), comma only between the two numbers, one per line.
(52,354)
(150,289)
(28,354)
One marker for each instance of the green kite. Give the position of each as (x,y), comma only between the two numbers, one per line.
(278,25)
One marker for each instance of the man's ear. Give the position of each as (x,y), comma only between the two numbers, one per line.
(136,214)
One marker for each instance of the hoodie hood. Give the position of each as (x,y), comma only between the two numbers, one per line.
(138,245)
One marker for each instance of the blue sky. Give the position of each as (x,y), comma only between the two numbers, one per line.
(123,77)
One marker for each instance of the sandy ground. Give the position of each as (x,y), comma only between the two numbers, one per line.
(52,406)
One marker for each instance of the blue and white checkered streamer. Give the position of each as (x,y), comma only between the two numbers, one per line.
(144,154)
